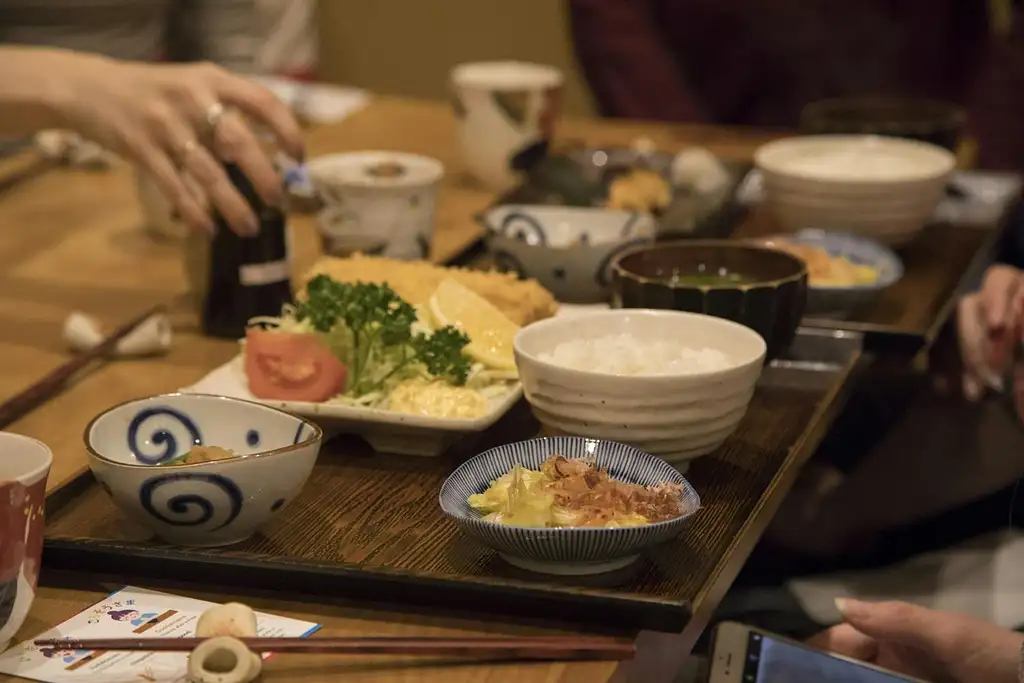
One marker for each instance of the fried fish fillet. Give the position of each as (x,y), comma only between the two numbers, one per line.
(522,301)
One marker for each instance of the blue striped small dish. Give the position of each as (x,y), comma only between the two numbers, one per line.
(572,551)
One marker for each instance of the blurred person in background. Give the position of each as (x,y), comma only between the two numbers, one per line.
(751,62)
(288,38)
(219,31)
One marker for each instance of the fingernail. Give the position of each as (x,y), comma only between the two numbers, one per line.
(972,389)
(848,605)
(252,226)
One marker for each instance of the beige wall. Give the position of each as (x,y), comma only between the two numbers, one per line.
(406,47)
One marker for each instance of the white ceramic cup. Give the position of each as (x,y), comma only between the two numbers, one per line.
(343,234)
(390,194)
(24,466)
(503,109)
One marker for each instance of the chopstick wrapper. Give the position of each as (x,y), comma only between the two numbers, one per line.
(153,337)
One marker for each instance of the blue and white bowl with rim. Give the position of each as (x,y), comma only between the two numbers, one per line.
(569,250)
(839,301)
(573,551)
(204,504)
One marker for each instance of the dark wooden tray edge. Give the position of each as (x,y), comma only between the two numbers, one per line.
(352,582)
(883,339)
(745,541)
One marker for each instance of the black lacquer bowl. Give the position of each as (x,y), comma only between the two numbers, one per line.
(940,123)
(763,289)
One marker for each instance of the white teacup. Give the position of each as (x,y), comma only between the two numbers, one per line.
(390,195)
(342,233)
(503,109)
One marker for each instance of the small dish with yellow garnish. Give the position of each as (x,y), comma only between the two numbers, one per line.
(844,271)
(568,505)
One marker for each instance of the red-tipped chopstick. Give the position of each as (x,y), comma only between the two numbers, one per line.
(552,648)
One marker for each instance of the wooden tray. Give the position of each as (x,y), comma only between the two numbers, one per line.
(907,317)
(368,526)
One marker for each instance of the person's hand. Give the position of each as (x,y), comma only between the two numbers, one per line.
(180,123)
(989,327)
(924,643)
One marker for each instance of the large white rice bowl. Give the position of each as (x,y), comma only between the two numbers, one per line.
(879,187)
(671,383)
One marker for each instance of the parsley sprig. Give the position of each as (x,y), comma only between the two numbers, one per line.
(377,327)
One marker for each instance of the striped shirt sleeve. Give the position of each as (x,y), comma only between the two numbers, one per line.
(220,31)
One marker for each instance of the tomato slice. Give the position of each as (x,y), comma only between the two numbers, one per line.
(291,367)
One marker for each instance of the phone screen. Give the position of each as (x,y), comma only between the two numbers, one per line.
(776,661)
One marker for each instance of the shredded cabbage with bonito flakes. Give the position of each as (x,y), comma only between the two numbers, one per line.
(575,493)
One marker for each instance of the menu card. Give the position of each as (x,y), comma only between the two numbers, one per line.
(127,613)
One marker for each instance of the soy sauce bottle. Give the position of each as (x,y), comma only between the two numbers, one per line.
(248,276)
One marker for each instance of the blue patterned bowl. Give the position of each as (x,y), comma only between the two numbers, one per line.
(839,301)
(573,551)
(568,250)
(204,504)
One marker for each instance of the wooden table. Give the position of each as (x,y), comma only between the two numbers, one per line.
(72,240)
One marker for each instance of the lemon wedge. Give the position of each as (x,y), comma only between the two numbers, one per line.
(490,331)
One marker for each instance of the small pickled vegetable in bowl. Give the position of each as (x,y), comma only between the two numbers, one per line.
(201,470)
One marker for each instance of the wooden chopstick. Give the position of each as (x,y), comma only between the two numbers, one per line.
(46,388)
(553,648)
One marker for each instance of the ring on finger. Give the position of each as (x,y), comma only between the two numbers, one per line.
(188,148)
(214,113)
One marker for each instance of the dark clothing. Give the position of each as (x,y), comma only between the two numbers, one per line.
(759,62)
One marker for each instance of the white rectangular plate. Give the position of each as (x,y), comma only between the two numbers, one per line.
(386,430)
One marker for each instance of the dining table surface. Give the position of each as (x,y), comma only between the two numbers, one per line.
(75,240)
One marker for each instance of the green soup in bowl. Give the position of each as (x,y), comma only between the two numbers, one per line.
(764,289)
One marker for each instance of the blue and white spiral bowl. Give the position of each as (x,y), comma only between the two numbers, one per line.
(564,551)
(569,250)
(205,504)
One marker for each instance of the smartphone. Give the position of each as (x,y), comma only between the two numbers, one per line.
(743,654)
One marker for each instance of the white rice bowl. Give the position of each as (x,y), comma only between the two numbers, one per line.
(671,383)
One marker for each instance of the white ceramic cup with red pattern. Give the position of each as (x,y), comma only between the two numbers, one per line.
(24,466)
(506,114)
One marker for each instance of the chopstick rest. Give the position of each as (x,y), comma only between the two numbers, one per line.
(224,658)
(82,332)
(72,149)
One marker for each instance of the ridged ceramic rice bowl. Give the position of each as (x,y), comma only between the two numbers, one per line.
(677,408)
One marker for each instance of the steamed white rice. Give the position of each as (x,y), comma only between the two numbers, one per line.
(862,162)
(624,354)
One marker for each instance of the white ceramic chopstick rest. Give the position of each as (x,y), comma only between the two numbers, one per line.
(83,332)
(223,658)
